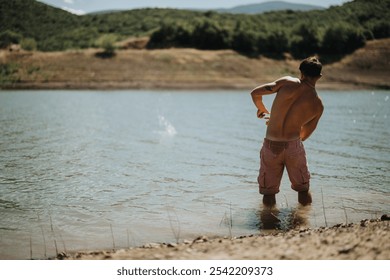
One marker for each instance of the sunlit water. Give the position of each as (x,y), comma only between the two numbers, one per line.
(84,170)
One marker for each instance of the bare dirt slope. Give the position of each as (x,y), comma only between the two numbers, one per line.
(184,68)
(366,67)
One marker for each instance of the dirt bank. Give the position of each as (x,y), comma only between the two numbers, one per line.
(368,240)
(182,69)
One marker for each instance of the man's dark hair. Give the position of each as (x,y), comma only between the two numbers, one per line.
(311,67)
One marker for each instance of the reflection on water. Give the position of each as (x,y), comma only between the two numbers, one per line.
(81,169)
(273,218)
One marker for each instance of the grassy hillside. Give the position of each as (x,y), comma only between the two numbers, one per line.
(337,30)
(32,19)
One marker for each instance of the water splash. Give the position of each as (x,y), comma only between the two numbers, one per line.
(167,128)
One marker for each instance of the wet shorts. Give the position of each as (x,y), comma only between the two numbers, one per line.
(274,156)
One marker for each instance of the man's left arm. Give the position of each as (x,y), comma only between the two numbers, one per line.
(308,128)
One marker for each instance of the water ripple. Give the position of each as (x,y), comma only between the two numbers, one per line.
(87,160)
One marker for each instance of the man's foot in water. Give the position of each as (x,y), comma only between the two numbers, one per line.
(304,198)
(269,200)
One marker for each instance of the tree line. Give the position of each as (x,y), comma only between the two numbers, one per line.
(302,40)
(337,30)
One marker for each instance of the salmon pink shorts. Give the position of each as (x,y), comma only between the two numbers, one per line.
(274,156)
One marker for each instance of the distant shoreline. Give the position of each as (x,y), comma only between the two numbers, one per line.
(165,86)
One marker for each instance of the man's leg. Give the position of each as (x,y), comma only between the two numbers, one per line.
(304,198)
(270,175)
(298,172)
(269,200)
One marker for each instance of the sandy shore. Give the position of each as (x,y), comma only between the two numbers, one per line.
(368,240)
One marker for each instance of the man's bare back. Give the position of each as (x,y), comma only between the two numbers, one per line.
(295,111)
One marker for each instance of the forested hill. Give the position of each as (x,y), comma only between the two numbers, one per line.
(337,30)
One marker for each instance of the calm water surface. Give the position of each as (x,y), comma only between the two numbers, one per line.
(103,169)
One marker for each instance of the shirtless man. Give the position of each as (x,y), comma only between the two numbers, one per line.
(294,116)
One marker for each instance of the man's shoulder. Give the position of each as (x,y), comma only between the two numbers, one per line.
(289,79)
(287,83)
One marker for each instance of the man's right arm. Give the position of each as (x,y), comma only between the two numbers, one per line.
(265,89)
(257,97)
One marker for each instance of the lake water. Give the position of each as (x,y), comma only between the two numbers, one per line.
(85,170)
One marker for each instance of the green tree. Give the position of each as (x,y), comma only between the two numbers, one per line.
(210,35)
(342,39)
(107,42)
(278,42)
(28,44)
(381,29)
(245,42)
(163,37)
(263,46)
(8,38)
(170,35)
(305,41)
